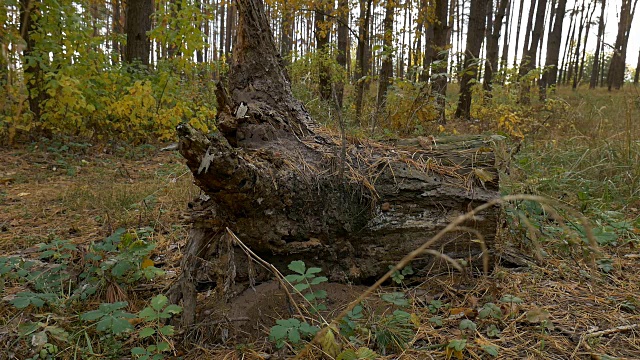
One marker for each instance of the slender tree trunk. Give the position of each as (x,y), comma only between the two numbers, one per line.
(635,77)
(527,32)
(504,59)
(322,29)
(175,7)
(615,77)
(138,24)
(578,44)
(286,35)
(460,28)
(231,22)
(474,43)
(362,60)
(529,58)
(492,46)
(343,44)
(116,47)
(33,74)
(584,46)
(550,74)
(441,41)
(571,51)
(593,81)
(487,39)
(517,47)
(402,47)
(222,27)
(386,70)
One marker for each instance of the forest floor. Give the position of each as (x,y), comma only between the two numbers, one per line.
(568,302)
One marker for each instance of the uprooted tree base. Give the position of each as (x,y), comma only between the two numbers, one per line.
(290,190)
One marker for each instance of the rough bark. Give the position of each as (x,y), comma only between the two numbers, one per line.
(637,74)
(322,30)
(550,75)
(474,43)
(584,45)
(439,78)
(593,82)
(362,58)
(528,62)
(615,77)
(386,70)
(576,63)
(343,43)
(518,28)
(492,46)
(137,24)
(504,59)
(276,180)
(116,46)
(33,73)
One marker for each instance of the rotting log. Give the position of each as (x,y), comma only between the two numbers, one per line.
(290,190)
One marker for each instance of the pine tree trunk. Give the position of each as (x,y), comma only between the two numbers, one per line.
(518,28)
(577,52)
(439,69)
(584,46)
(528,62)
(550,75)
(343,43)
(289,190)
(138,23)
(116,46)
(504,59)
(322,29)
(386,70)
(636,76)
(475,34)
(33,73)
(615,77)
(593,82)
(492,46)
(362,59)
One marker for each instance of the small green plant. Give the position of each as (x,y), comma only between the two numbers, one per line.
(155,316)
(393,331)
(490,310)
(466,324)
(40,336)
(291,330)
(455,348)
(349,324)
(119,259)
(110,317)
(398,276)
(490,349)
(606,265)
(395,298)
(303,280)
(436,320)
(435,306)
(493,331)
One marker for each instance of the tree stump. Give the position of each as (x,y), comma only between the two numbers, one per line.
(290,190)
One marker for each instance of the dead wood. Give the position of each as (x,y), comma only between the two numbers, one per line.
(272,176)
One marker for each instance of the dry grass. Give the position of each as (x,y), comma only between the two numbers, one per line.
(41,199)
(586,156)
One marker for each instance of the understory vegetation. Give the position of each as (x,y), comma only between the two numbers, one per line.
(92,230)
(95,217)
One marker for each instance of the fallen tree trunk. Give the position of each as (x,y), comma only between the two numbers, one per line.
(292,191)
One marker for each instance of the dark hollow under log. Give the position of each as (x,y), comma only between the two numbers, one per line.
(282,185)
